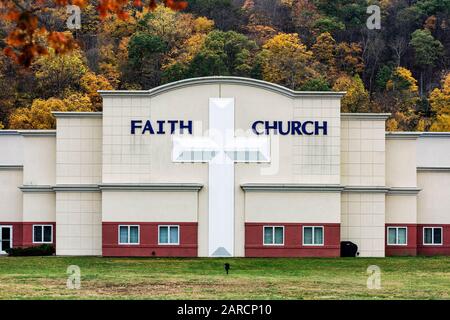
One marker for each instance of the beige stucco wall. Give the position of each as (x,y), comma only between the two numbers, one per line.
(141,206)
(295,207)
(39,207)
(363,222)
(79,150)
(434,199)
(401,162)
(362,152)
(79,223)
(11,148)
(401,208)
(39,160)
(10,195)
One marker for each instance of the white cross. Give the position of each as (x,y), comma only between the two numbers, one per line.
(221,149)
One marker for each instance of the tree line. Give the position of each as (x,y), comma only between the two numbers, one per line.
(312,45)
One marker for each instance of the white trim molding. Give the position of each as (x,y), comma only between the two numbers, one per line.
(433,169)
(150,186)
(402,135)
(365,116)
(59,114)
(403,191)
(36,188)
(76,188)
(290,187)
(11,167)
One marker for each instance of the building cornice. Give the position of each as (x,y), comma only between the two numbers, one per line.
(151,187)
(11,167)
(403,191)
(9,133)
(37,133)
(434,169)
(36,188)
(403,135)
(221,80)
(365,116)
(435,135)
(366,189)
(288,187)
(76,188)
(58,114)
(28,133)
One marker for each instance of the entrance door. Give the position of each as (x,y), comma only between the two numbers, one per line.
(5,238)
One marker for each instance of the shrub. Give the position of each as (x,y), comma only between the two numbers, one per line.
(42,250)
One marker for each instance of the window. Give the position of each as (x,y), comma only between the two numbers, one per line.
(128,234)
(274,235)
(312,236)
(397,236)
(432,235)
(43,234)
(169,235)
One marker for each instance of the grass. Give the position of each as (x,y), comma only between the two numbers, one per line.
(203,278)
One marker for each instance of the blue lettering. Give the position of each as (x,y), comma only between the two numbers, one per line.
(255,131)
(187,126)
(296,128)
(317,127)
(304,128)
(274,127)
(161,127)
(148,127)
(135,124)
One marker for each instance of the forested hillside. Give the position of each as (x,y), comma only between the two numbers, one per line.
(402,68)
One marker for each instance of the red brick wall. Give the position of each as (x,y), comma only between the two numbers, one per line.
(293,241)
(148,242)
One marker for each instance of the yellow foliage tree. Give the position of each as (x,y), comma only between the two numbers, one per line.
(402,79)
(392,125)
(440,104)
(203,25)
(441,124)
(324,49)
(440,98)
(357,98)
(286,61)
(59,75)
(90,83)
(39,115)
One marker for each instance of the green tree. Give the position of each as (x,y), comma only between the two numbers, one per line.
(427,51)
(145,55)
(224,53)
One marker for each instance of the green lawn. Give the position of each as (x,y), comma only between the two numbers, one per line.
(201,278)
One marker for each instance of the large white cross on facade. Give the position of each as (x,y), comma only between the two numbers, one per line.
(221,148)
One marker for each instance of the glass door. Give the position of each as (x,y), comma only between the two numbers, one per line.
(5,238)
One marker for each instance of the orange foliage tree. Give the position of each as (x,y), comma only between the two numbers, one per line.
(29,38)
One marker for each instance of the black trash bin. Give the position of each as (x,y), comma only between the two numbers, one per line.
(348,249)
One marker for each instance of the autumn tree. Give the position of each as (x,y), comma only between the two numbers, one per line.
(59,75)
(39,116)
(287,61)
(357,98)
(440,105)
(30,38)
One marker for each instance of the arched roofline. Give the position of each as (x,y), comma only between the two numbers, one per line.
(221,80)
